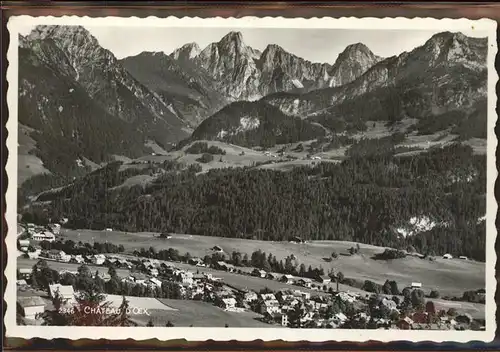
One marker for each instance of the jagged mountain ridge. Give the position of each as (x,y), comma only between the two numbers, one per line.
(82,103)
(105,80)
(190,89)
(244,73)
(447,73)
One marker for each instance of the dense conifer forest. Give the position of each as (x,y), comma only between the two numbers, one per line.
(363,199)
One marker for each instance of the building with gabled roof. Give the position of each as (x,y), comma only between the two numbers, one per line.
(31,306)
(66,292)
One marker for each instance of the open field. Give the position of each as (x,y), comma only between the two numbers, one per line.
(138,302)
(187,313)
(449,277)
(288,165)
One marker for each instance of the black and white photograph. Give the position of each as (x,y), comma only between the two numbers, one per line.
(251,178)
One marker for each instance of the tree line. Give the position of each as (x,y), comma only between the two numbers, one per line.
(361,200)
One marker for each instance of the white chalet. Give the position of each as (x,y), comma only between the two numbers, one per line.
(416,285)
(98,259)
(43,236)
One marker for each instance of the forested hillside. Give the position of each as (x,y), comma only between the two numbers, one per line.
(361,199)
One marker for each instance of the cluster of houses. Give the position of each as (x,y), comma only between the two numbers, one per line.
(41,233)
(95,259)
(289,279)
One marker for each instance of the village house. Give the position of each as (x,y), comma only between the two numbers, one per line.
(43,236)
(66,292)
(269,306)
(250,296)
(305,282)
(23,245)
(389,303)
(58,255)
(339,318)
(225,266)
(185,277)
(259,273)
(416,285)
(267,296)
(155,282)
(346,297)
(139,278)
(153,271)
(278,318)
(301,294)
(77,259)
(273,276)
(324,279)
(296,239)
(123,263)
(287,279)
(56,228)
(284,296)
(196,261)
(165,235)
(25,273)
(21,282)
(199,278)
(102,275)
(228,303)
(405,323)
(31,306)
(110,262)
(217,249)
(35,254)
(98,259)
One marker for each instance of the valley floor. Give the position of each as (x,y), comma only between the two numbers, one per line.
(451,277)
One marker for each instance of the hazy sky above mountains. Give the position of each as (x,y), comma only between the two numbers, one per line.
(317,45)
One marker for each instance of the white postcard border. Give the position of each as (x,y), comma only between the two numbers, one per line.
(248,334)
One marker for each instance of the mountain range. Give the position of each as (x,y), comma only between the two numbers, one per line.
(82,103)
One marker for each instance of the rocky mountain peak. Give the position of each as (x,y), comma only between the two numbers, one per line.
(454,47)
(232,37)
(186,52)
(74,34)
(351,63)
(355,50)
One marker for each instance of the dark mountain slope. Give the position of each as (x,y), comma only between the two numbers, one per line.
(255,124)
(104,79)
(190,88)
(68,124)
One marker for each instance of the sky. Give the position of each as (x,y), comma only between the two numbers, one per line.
(316,45)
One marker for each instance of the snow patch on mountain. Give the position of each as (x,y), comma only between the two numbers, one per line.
(297,83)
(417,225)
(248,123)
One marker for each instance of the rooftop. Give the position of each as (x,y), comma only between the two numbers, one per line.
(32,301)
